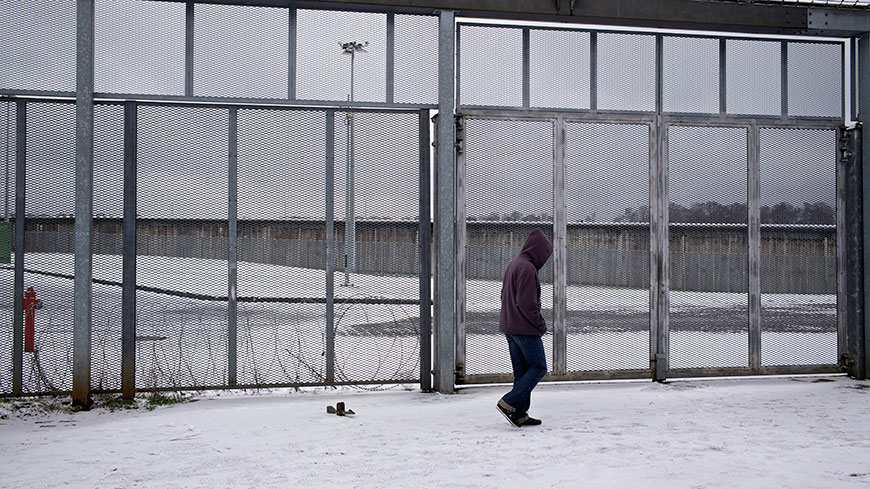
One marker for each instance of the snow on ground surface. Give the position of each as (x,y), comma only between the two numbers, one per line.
(775,432)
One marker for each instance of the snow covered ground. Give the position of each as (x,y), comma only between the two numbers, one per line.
(801,432)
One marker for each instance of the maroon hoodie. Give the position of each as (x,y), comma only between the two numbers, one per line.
(521,289)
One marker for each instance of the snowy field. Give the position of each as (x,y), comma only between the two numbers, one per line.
(182,340)
(801,432)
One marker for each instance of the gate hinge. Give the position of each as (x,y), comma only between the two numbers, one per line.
(460,135)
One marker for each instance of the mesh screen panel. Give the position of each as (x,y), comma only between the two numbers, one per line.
(7,279)
(7,276)
(378,341)
(416,59)
(8,114)
(240,51)
(509,193)
(559,64)
(139,47)
(38,42)
(323,71)
(815,74)
(798,247)
(282,246)
(753,82)
(490,66)
(690,81)
(607,246)
(182,247)
(708,240)
(626,72)
(108,239)
(50,243)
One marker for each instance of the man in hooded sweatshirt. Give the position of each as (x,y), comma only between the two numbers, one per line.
(523,325)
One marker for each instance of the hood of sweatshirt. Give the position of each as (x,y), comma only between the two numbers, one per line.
(537,248)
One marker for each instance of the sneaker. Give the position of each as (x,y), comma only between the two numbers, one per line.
(508,412)
(528,421)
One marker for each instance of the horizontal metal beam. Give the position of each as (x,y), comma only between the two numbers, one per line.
(646,374)
(584,375)
(672,14)
(617,117)
(837,22)
(238,103)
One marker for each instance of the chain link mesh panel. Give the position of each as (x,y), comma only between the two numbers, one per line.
(323,70)
(7,274)
(607,255)
(182,247)
(108,242)
(690,81)
(815,72)
(8,114)
(38,40)
(509,193)
(240,51)
(282,246)
(626,72)
(377,318)
(139,47)
(559,63)
(708,240)
(798,247)
(50,243)
(752,70)
(416,59)
(490,66)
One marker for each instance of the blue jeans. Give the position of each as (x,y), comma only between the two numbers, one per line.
(529,365)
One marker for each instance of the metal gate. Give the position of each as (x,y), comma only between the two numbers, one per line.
(689,185)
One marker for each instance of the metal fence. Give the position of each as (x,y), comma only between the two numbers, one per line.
(214,307)
(687,181)
(690,186)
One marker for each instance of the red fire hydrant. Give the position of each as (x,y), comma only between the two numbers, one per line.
(31,304)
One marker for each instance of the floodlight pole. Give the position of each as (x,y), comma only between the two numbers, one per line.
(350,214)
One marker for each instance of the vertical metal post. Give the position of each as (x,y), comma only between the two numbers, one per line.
(188,50)
(784,77)
(445,208)
(723,76)
(526,67)
(662,356)
(6,172)
(128,291)
(659,72)
(425,233)
(864,114)
(232,248)
(18,295)
(662,265)
(754,201)
(560,270)
(850,309)
(853,62)
(81,395)
(593,71)
(461,237)
(654,239)
(330,246)
(391,56)
(291,55)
